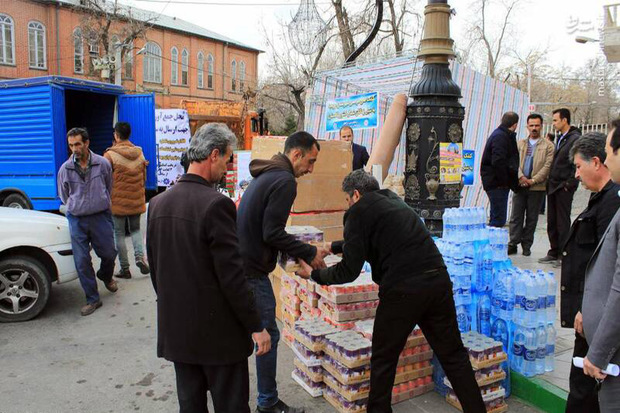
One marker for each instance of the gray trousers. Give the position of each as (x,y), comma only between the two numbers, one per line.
(609,395)
(526,206)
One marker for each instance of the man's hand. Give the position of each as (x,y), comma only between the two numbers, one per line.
(324,252)
(318,262)
(591,370)
(263,342)
(328,247)
(522,181)
(529,182)
(305,270)
(579,324)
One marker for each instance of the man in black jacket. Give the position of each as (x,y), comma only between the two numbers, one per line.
(360,154)
(561,185)
(206,317)
(414,288)
(499,168)
(263,212)
(588,154)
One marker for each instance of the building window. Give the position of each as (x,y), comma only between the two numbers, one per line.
(233,76)
(128,62)
(36,45)
(78,51)
(7,40)
(210,69)
(174,66)
(241,76)
(184,67)
(201,69)
(152,63)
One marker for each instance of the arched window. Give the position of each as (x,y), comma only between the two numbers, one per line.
(78,51)
(201,69)
(174,66)
(233,76)
(152,63)
(128,62)
(36,45)
(210,70)
(241,76)
(184,67)
(7,40)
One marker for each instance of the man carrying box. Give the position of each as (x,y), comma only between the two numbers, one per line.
(414,288)
(263,212)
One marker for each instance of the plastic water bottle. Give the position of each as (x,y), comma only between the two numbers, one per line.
(529,355)
(484,314)
(519,306)
(518,349)
(541,313)
(462,318)
(448,224)
(541,351)
(550,358)
(530,319)
(508,299)
(552,286)
(500,332)
(497,295)
(487,265)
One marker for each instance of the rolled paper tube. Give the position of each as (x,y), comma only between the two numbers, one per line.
(612,369)
(389,136)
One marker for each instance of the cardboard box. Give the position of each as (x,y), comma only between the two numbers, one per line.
(331,223)
(320,190)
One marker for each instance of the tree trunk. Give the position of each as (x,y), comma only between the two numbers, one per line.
(346,36)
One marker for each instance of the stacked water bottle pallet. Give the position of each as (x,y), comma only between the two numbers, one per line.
(486,356)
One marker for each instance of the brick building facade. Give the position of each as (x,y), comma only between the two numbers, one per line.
(176,60)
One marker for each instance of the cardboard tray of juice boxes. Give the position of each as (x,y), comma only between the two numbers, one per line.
(486,356)
(344,359)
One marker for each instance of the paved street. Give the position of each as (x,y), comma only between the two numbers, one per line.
(106,363)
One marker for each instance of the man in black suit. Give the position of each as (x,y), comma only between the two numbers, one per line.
(206,315)
(360,154)
(561,185)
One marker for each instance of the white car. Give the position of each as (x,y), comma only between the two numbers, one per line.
(35,250)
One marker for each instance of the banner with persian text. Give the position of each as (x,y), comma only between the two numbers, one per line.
(172,135)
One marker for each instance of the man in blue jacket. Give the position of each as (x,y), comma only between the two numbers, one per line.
(263,212)
(499,168)
(84,186)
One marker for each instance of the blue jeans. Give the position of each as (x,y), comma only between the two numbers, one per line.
(136,238)
(95,230)
(266,365)
(499,206)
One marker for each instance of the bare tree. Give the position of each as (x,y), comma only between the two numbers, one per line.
(344,28)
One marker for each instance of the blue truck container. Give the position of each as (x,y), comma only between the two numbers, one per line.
(35,115)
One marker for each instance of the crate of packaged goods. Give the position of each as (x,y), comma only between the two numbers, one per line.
(312,332)
(410,389)
(415,354)
(341,325)
(314,373)
(287,336)
(486,376)
(290,315)
(350,392)
(308,312)
(311,298)
(483,351)
(343,405)
(362,289)
(493,396)
(349,348)
(344,374)
(289,283)
(308,235)
(413,371)
(314,389)
(348,311)
(365,327)
(289,299)
(306,356)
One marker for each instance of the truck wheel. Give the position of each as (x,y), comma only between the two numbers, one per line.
(24,288)
(16,201)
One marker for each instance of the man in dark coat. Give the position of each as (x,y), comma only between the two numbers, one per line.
(561,185)
(360,154)
(206,316)
(499,168)
(263,212)
(588,154)
(414,288)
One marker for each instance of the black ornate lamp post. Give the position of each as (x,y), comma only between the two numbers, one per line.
(435,116)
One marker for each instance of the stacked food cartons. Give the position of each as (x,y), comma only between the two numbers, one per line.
(340,305)
(308,347)
(486,356)
(290,304)
(310,235)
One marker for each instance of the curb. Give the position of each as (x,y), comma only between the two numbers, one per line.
(539,393)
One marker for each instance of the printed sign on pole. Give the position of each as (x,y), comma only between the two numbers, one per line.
(172,135)
(357,112)
(450,161)
(469,159)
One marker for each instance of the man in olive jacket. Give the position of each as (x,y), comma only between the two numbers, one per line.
(206,316)
(588,154)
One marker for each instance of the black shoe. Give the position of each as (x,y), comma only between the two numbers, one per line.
(88,309)
(144,268)
(279,407)
(527,252)
(123,273)
(547,260)
(512,249)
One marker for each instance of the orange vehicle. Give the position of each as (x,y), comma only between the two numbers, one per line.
(245,124)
